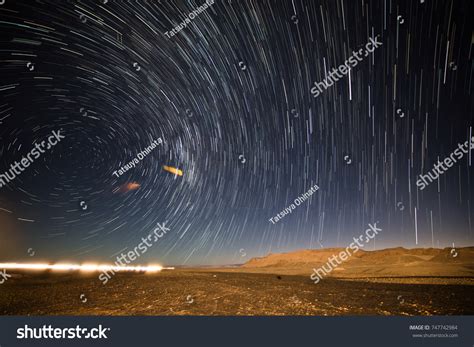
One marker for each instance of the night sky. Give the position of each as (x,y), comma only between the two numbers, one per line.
(229,95)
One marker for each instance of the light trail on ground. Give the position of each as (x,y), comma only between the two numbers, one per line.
(83,267)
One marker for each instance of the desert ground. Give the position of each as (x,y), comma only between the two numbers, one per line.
(388,282)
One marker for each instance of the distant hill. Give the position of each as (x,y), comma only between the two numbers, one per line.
(391,262)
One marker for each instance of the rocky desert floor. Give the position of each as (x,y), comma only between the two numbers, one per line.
(230,293)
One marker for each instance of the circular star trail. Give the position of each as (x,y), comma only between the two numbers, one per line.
(229,94)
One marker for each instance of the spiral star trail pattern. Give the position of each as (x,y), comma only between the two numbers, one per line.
(229,95)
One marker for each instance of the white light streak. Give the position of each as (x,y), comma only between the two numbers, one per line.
(83,267)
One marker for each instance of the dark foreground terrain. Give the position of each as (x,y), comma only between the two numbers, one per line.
(187,292)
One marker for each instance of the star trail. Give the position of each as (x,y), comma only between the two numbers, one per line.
(229,94)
